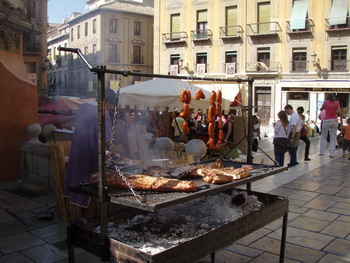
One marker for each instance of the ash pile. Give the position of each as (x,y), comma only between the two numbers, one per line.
(158,231)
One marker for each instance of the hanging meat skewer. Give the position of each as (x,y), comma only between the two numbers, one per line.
(219,113)
(211,120)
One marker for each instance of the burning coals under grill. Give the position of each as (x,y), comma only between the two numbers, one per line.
(155,232)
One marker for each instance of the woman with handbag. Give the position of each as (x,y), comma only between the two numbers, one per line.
(303,133)
(281,135)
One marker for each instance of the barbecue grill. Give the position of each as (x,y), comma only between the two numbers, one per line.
(91,234)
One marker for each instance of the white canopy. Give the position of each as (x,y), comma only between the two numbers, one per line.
(164,93)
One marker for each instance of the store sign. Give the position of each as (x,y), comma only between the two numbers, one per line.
(298,96)
(174,69)
(316,89)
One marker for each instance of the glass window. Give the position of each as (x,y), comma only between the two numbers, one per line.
(135,79)
(86,50)
(263,56)
(72,34)
(174,60)
(201,61)
(78,32)
(338,61)
(86,29)
(137,28)
(113,52)
(112,25)
(299,60)
(202,23)
(136,55)
(94,26)
(231,62)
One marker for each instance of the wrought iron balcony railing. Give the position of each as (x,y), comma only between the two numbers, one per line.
(263,29)
(309,27)
(231,32)
(174,37)
(340,65)
(201,34)
(341,27)
(260,67)
(299,66)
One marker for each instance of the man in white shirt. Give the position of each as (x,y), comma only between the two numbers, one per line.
(294,134)
(177,125)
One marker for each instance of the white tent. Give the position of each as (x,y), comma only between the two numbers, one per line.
(164,93)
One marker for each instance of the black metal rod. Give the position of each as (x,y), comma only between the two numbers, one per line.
(283,237)
(250,124)
(102,189)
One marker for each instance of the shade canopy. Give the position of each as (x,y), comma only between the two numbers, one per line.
(165,93)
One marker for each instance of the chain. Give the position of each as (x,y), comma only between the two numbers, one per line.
(138,197)
(115,115)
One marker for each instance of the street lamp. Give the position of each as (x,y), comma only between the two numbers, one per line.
(315,61)
(186,67)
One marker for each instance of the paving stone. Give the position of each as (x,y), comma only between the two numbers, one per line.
(44,254)
(12,227)
(337,229)
(330,258)
(270,258)
(5,217)
(298,209)
(252,237)
(304,238)
(344,218)
(346,184)
(283,191)
(303,195)
(329,189)
(51,234)
(344,192)
(340,211)
(225,256)
(15,258)
(319,203)
(335,198)
(339,247)
(301,185)
(24,214)
(19,242)
(244,250)
(295,202)
(331,181)
(274,225)
(321,215)
(309,223)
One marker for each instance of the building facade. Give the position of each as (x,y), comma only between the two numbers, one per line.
(23,30)
(296,51)
(117,34)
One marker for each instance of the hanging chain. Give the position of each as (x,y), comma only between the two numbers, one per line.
(120,173)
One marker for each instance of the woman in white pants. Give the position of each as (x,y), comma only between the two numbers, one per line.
(329,123)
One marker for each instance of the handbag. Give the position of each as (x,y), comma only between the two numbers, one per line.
(183,136)
(281,145)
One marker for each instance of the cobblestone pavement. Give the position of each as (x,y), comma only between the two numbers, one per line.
(318,220)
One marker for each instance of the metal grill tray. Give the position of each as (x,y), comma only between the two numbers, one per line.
(189,251)
(154,201)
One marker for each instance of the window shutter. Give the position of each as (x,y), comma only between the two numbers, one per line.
(202,16)
(264,16)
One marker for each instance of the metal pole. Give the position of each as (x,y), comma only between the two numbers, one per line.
(250,125)
(102,189)
(283,237)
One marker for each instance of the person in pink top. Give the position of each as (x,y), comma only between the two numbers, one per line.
(329,123)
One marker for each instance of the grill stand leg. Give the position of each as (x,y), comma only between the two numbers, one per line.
(283,237)
(70,246)
(212,256)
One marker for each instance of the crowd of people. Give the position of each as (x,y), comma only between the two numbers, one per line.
(289,132)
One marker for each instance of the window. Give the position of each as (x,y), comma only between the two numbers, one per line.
(112,25)
(113,52)
(231,62)
(201,61)
(136,51)
(72,34)
(86,29)
(137,28)
(86,50)
(174,64)
(94,49)
(231,21)
(136,79)
(202,23)
(263,57)
(299,60)
(94,26)
(78,32)
(264,17)
(338,60)
(175,26)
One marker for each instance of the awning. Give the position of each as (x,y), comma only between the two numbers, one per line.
(57,120)
(338,12)
(297,20)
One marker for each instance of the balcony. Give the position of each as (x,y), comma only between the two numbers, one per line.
(263,29)
(201,35)
(175,38)
(309,28)
(259,67)
(299,66)
(136,59)
(338,28)
(339,65)
(231,32)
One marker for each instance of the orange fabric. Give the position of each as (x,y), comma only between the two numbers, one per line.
(347,132)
